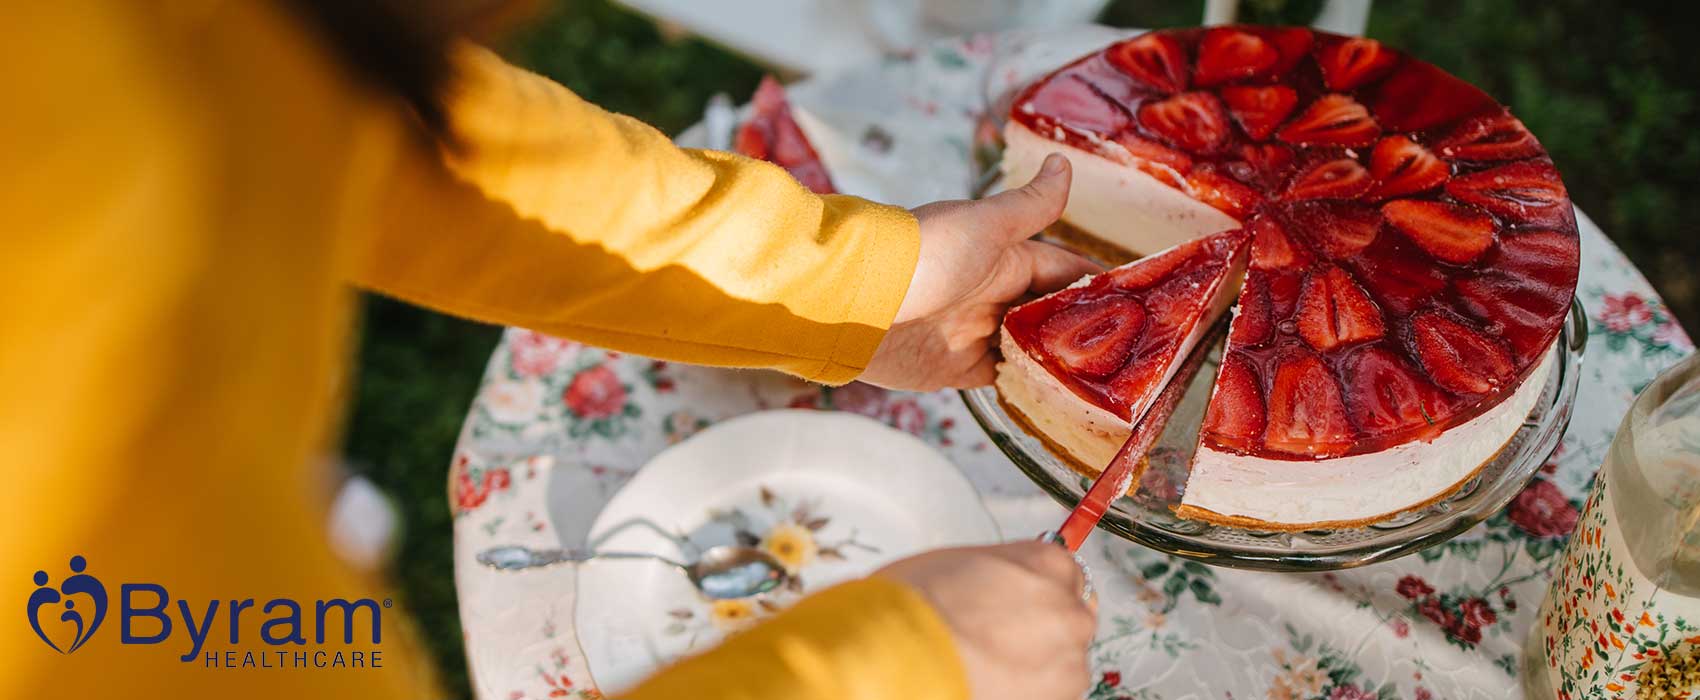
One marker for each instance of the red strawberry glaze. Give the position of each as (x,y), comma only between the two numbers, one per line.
(771,134)
(1413,245)
(1111,340)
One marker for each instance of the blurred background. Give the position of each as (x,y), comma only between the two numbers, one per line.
(1610,88)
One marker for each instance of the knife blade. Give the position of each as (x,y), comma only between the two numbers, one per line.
(1129,462)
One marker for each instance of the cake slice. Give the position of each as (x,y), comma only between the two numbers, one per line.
(772,134)
(1082,365)
(1414,257)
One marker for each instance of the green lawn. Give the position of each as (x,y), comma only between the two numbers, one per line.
(1605,86)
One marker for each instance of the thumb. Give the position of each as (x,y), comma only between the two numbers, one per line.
(1016,214)
(1053,267)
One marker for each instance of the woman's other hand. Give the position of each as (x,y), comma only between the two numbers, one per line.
(975,262)
(1015,611)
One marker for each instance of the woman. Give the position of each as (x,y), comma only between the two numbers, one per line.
(195,188)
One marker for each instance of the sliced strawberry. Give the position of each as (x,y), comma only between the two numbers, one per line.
(1111,82)
(1071,102)
(1174,303)
(1292,42)
(1402,167)
(1271,249)
(1452,232)
(1235,417)
(1335,120)
(1527,282)
(1150,270)
(1136,383)
(1193,121)
(1341,178)
(1517,309)
(1350,62)
(1490,137)
(1253,322)
(1549,256)
(1419,96)
(1306,414)
(1388,396)
(1398,276)
(1155,58)
(1339,229)
(1525,192)
(1143,149)
(1265,163)
(1227,54)
(1260,108)
(1457,356)
(1334,310)
(1226,194)
(1283,287)
(1093,337)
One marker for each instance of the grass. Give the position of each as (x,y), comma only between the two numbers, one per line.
(1606,86)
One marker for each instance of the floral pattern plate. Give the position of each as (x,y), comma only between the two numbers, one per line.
(831,495)
(558,428)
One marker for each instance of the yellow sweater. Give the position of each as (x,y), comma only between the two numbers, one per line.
(191,190)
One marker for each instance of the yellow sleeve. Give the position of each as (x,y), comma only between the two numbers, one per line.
(552,214)
(866,640)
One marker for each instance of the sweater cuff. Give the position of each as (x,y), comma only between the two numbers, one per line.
(890,245)
(866,639)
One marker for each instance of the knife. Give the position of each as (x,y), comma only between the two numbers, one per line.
(1129,462)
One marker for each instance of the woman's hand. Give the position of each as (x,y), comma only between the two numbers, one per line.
(1021,629)
(975,262)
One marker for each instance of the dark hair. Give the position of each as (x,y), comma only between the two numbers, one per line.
(396,46)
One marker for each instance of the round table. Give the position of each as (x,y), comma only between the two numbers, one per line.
(558,427)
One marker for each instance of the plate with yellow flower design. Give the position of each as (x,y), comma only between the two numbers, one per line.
(832,495)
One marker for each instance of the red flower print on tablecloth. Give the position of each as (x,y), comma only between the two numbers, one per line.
(1477,613)
(1622,313)
(1460,615)
(1108,687)
(859,398)
(1541,510)
(1413,587)
(472,487)
(533,354)
(595,392)
(1434,611)
(907,415)
(1350,692)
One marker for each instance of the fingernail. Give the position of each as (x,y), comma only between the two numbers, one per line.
(1053,164)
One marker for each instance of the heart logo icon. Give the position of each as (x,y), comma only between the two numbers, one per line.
(45,601)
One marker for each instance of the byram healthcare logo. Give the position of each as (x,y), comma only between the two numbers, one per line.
(45,599)
(66,617)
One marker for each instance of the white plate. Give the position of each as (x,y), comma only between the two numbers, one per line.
(854,491)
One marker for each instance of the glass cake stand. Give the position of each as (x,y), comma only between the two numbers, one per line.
(1147,517)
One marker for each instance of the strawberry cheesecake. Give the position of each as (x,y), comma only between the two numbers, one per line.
(1412,258)
(1081,366)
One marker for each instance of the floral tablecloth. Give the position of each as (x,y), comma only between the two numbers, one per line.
(558,427)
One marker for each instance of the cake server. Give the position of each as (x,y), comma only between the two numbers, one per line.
(1129,462)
